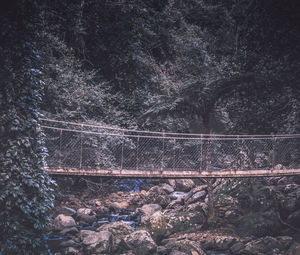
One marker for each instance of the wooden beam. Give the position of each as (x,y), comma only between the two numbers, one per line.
(228,173)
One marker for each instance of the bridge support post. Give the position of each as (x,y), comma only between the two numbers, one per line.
(137,153)
(163,154)
(80,159)
(273,154)
(210,181)
(60,146)
(122,153)
(201,154)
(174,155)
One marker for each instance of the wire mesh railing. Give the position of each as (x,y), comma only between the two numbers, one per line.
(80,146)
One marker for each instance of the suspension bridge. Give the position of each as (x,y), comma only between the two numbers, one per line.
(83,149)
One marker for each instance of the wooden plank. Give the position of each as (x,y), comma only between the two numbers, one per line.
(228,173)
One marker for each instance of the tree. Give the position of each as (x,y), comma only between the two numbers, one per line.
(26,191)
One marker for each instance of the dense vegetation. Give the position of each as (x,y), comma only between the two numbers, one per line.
(26,192)
(182,65)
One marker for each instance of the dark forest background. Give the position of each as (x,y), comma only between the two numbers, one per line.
(176,65)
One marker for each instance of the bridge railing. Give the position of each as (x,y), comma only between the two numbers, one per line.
(79,146)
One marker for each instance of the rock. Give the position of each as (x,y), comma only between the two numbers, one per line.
(218,243)
(172,183)
(70,243)
(84,216)
(71,251)
(259,224)
(62,221)
(140,242)
(286,241)
(279,167)
(290,198)
(178,194)
(115,197)
(294,219)
(176,252)
(236,248)
(156,195)
(263,245)
(184,184)
(95,202)
(123,205)
(195,190)
(87,218)
(156,225)
(198,207)
(176,204)
(294,249)
(117,228)
(167,188)
(162,250)
(83,211)
(128,253)
(96,242)
(185,246)
(149,209)
(224,243)
(200,195)
(101,210)
(71,230)
(183,220)
(65,211)
(240,195)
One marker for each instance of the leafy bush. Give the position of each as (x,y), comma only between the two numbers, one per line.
(26,191)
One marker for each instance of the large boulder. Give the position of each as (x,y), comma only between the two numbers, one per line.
(65,211)
(289,196)
(182,184)
(122,205)
(294,219)
(140,242)
(176,252)
(185,246)
(246,194)
(218,243)
(63,221)
(71,230)
(156,195)
(118,229)
(96,242)
(194,191)
(167,188)
(84,215)
(183,220)
(149,209)
(264,245)
(259,224)
(198,196)
(178,195)
(294,249)
(83,211)
(156,225)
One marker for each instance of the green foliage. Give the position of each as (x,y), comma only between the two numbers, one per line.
(178,62)
(26,191)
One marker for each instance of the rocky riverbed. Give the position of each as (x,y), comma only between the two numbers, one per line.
(170,217)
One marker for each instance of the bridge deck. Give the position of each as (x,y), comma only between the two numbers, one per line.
(228,173)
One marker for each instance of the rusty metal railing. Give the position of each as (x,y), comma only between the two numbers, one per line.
(83,146)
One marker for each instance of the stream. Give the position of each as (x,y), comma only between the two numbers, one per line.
(128,217)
